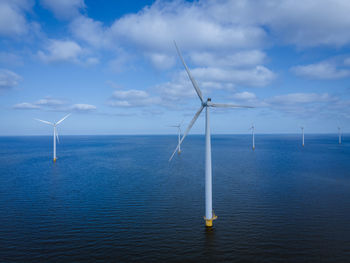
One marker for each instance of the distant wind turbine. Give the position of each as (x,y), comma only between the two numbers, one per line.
(339,134)
(178,134)
(55,134)
(209,214)
(302,131)
(253,133)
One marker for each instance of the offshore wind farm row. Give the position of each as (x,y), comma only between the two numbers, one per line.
(179,133)
(206,104)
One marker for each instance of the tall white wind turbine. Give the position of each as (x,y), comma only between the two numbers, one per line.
(209,214)
(178,135)
(55,134)
(302,131)
(339,135)
(253,134)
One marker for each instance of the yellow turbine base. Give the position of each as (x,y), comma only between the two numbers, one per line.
(209,222)
(253,148)
(54,160)
(178,152)
(303,145)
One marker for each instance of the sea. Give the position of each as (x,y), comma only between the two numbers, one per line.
(119,199)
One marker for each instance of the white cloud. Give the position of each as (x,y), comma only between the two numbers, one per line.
(90,31)
(216,34)
(299,98)
(92,61)
(50,102)
(47,103)
(297,104)
(26,106)
(133,98)
(237,59)
(189,23)
(8,79)
(61,50)
(64,9)
(322,70)
(176,90)
(307,23)
(83,107)
(152,31)
(66,51)
(244,96)
(257,77)
(226,24)
(216,45)
(208,86)
(306,104)
(11,22)
(161,61)
(12,17)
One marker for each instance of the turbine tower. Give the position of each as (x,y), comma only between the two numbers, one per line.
(339,134)
(55,134)
(178,134)
(209,214)
(253,133)
(302,131)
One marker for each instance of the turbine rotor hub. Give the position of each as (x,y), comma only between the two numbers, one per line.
(205,104)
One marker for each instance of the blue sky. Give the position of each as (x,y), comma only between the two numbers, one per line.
(113,65)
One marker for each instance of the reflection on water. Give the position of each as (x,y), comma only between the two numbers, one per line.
(117,198)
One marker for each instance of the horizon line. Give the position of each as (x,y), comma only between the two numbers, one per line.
(167,134)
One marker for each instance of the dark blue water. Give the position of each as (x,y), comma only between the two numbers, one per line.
(116,198)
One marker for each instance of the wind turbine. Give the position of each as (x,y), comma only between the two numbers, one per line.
(55,134)
(302,131)
(178,134)
(209,214)
(339,134)
(253,133)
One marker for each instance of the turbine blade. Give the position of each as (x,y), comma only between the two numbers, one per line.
(188,130)
(63,119)
(224,105)
(47,122)
(194,83)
